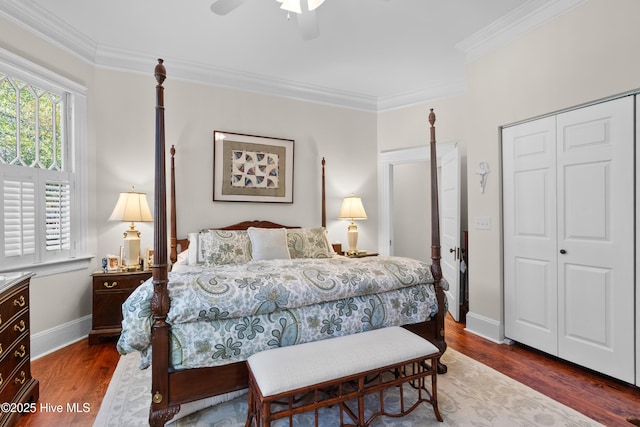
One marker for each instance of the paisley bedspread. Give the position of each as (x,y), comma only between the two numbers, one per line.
(225,314)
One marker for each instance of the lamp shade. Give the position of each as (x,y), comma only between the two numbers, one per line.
(132,207)
(352,209)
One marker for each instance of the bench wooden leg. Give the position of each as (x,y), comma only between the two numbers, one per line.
(434,390)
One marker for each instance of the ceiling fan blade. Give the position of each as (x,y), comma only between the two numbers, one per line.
(222,7)
(308,24)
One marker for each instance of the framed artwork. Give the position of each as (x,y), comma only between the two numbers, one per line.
(249,168)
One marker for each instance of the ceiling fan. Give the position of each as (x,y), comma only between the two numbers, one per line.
(304,11)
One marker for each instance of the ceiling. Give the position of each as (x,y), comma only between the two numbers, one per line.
(370,54)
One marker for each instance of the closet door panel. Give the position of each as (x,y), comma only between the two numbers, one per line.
(595,237)
(530,261)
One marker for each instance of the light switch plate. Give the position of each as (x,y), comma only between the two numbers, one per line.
(483,223)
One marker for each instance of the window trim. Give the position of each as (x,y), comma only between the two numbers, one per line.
(76,116)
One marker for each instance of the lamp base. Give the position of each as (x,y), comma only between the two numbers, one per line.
(131,257)
(352,238)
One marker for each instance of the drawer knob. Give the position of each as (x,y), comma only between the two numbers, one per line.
(1,348)
(20,327)
(21,379)
(20,302)
(1,379)
(21,352)
(112,285)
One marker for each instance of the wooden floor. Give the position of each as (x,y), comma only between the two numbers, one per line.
(81,373)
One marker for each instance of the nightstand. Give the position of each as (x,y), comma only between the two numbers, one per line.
(110,290)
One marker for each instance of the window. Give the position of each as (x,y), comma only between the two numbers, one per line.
(42,143)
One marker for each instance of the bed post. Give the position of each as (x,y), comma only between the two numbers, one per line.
(324,199)
(173,237)
(435,241)
(160,411)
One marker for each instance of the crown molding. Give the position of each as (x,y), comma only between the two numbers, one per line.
(124,60)
(35,19)
(531,15)
(426,95)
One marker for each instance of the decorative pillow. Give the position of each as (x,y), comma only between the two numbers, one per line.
(308,243)
(268,243)
(225,247)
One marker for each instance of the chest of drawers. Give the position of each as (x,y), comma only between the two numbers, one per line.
(16,384)
(109,291)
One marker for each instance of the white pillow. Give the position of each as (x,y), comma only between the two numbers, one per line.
(268,243)
(195,249)
(183,258)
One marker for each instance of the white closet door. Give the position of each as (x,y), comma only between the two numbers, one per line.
(530,251)
(596,237)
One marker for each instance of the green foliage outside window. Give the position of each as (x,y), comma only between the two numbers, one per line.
(31,126)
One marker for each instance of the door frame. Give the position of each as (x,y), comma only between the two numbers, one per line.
(387,160)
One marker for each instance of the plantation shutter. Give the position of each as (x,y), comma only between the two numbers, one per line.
(36,215)
(57,215)
(19,217)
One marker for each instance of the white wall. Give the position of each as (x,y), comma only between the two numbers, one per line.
(346,138)
(586,54)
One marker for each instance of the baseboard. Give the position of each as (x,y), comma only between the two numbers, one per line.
(485,327)
(45,342)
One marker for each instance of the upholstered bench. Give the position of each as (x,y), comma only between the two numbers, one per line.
(291,380)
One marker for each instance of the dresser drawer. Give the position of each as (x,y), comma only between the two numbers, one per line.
(11,357)
(11,331)
(12,304)
(14,381)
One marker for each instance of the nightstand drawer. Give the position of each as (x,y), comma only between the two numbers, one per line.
(106,283)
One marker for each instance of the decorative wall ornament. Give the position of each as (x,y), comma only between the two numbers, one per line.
(483,171)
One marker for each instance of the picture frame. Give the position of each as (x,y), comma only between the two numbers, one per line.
(148,259)
(251,168)
(113,263)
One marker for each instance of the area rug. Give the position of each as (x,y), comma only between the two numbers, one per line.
(470,394)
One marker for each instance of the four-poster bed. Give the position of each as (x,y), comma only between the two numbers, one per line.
(176,381)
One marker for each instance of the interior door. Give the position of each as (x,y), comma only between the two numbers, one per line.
(450,227)
(529,227)
(637,252)
(595,154)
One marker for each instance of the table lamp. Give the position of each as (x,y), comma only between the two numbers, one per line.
(352,210)
(132,207)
